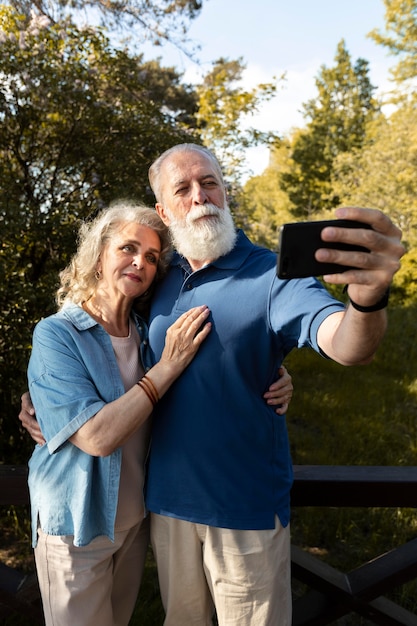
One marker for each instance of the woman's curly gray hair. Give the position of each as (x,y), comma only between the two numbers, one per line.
(78,279)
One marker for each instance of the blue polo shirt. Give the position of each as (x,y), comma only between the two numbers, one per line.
(220,455)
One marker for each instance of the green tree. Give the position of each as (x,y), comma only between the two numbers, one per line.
(157,20)
(400,38)
(337,123)
(79,124)
(383,175)
(264,204)
(222,106)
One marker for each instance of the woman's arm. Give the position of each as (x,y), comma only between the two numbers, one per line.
(116,421)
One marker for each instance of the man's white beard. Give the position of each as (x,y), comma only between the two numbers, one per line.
(203,240)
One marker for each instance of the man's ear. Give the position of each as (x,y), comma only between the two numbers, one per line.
(162,213)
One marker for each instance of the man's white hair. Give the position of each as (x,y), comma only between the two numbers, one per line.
(155,169)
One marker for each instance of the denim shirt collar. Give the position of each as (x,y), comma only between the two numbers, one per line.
(83,321)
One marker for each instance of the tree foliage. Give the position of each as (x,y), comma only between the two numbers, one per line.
(157,20)
(80,122)
(400,38)
(337,123)
(383,175)
(264,204)
(222,103)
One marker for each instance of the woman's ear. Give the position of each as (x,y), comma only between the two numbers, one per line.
(98,266)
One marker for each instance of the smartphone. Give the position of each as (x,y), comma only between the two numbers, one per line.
(298,242)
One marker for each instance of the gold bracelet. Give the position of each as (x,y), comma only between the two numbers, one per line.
(148,393)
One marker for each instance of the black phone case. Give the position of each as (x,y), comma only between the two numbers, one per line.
(298,242)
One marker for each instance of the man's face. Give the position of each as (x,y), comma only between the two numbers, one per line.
(195,209)
(189,179)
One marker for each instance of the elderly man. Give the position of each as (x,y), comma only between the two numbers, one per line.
(220,469)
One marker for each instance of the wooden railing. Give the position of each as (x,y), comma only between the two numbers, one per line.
(334,594)
(19,592)
(331,594)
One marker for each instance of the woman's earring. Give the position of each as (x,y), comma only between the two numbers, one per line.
(97,275)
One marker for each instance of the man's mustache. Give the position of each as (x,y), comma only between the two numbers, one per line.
(203,211)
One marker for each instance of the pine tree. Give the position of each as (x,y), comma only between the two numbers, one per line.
(337,123)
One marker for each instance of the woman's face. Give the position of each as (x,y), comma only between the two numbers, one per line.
(129,261)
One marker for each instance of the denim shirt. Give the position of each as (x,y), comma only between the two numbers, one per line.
(72,374)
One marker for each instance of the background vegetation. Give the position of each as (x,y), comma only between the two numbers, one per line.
(81,118)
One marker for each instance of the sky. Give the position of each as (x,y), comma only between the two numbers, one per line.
(295,37)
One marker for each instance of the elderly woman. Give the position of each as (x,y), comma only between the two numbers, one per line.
(93,400)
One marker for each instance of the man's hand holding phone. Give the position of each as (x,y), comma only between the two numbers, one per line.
(368,267)
(299,242)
